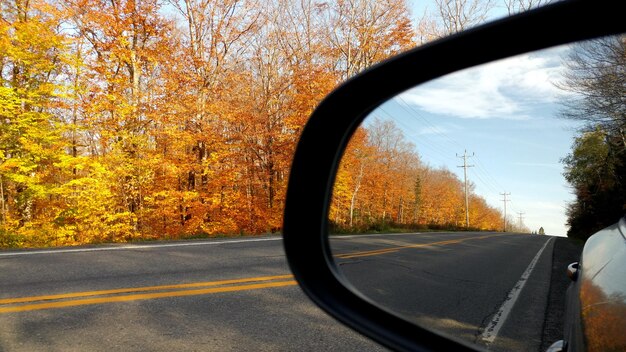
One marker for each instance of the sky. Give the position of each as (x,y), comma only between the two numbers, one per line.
(506,115)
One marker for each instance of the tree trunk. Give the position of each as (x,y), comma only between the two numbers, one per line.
(356,190)
(2,205)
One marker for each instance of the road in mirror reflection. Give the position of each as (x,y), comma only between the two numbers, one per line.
(450,204)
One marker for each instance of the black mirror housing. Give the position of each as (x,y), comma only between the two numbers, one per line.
(326,135)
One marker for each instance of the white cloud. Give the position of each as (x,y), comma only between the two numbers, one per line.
(506,89)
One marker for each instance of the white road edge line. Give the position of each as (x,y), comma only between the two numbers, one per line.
(498,320)
(127,247)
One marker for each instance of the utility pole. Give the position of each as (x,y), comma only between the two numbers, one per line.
(520,219)
(505,200)
(465,166)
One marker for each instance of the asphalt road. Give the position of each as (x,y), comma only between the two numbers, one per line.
(227,295)
(487,288)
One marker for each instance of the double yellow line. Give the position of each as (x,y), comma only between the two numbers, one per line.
(11,305)
(23,304)
(419,245)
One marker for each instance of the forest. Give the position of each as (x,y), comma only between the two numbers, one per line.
(126,120)
(381,182)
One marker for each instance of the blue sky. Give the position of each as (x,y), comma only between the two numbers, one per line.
(506,113)
(418,7)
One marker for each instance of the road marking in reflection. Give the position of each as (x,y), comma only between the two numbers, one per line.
(126,298)
(420,245)
(342,237)
(498,320)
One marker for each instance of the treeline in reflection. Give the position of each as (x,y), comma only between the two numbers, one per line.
(595,168)
(382,184)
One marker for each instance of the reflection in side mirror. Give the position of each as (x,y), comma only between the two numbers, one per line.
(441,188)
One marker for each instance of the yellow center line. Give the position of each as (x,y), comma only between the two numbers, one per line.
(143,296)
(368,253)
(395,249)
(180,290)
(140,289)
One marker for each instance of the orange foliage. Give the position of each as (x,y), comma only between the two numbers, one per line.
(381,181)
(603,318)
(122,119)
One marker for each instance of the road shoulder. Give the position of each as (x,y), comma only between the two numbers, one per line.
(565,252)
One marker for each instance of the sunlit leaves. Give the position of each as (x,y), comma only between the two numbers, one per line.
(130,119)
(381,183)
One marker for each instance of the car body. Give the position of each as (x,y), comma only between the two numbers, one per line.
(596,300)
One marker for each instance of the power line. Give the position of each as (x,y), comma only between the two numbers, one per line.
(488,180)
(435,130)
(483,169)
(424,144)
(419,115)
(488,185)
(441,151)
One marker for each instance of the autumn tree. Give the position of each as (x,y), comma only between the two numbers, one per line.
(31,59)
(393,169)
(595,171)
(122,44)
(125,119)
(302,38)
(362,32)
(356,162)
(482,215)
(453,16)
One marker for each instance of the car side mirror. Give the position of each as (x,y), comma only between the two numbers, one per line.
(572,271)
(332,124)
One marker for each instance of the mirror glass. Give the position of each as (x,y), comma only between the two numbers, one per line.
(453,199)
